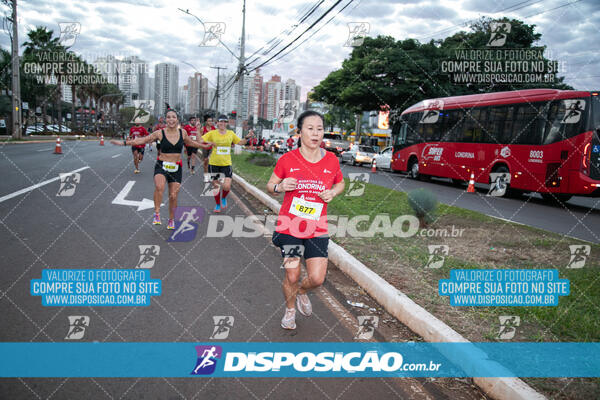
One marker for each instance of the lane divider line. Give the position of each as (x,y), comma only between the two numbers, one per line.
(37,185)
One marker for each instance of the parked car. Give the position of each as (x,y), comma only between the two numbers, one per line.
(335,143)
(384,158)
(277,146)
(54,128)
(359,155)
(33,129)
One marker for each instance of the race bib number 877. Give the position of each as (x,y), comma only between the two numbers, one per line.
(306,209)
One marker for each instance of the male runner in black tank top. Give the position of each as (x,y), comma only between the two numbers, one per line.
(168,166)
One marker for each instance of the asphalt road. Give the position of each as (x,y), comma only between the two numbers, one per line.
(579,218)
(206,277)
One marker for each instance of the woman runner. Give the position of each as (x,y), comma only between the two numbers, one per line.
(309,177)
(168,166)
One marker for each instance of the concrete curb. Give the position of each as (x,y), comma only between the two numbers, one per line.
(407,311)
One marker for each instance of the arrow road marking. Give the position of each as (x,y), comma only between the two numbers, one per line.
(141,205)
(37,185)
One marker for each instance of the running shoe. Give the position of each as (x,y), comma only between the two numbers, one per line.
(171,224)
(137,171)
(218,208)
(206,178)
(303,304)
(193,172)
(224,203)
(289,319)
(156,219)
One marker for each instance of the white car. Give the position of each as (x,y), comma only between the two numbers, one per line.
(358,155)
(54,128)
(34,129)
(384,158)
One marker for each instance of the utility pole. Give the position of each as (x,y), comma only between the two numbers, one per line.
(16,84)
(238,122)
(217,92)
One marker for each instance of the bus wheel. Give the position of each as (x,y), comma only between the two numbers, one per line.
(413,168)
(509,192)
(457,182)
(556,198)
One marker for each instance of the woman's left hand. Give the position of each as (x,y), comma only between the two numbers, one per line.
(327,195)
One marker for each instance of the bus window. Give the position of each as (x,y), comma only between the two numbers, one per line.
(496,122)
(482,127)
(556,130)
(472,127)
(430,132)
(402,134)
(412,135)
(455,122)
(553,132)
(571,130)
(443,126)
(529,124)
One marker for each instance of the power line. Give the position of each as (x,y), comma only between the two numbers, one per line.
(315,32)
(552,9)
(299,36)
(272,47)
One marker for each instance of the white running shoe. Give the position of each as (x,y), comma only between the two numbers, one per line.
(303,304)
(289,319)
(206,178)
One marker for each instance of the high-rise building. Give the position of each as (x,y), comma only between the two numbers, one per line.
(166,85)
(228,94)
(204,93)
(66,93)
(255,95)
(148,92)
(197,93)
(272,97)
(182,100)
(129,74)
(292,91)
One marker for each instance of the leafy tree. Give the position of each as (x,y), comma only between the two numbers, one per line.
(384,72)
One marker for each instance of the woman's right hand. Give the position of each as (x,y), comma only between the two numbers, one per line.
(288,184)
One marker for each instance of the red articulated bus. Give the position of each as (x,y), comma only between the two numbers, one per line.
(544,140)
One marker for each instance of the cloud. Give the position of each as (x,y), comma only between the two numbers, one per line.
(156,31)
(429,11)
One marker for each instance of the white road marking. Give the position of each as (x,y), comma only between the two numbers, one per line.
(144,204)
(44,150)
(115,156)
(37,185)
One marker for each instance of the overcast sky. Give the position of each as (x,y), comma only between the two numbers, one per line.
(157,31)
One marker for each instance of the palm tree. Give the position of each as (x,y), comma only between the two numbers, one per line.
(41,44)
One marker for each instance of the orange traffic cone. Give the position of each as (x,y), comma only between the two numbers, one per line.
(374,166)
(471,187)
(58,148)
(102,140)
